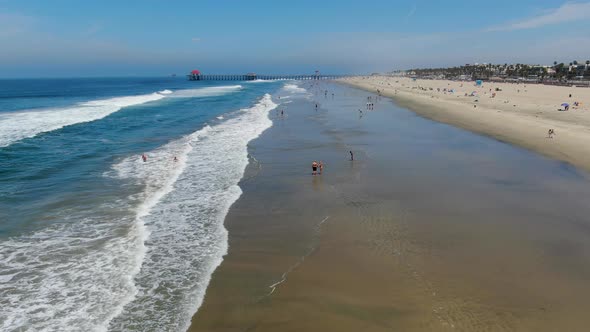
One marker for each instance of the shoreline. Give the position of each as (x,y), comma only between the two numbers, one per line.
(524,121)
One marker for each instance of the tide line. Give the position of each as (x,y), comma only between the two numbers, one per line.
(283,279)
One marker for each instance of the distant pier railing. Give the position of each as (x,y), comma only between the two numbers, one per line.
(253,77)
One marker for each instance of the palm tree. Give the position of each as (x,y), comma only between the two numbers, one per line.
(543,73)
(559,70)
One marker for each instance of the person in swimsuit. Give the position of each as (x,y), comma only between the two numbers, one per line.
(351,156)
(175,159)
(144,157)
(321,166)
(314,167)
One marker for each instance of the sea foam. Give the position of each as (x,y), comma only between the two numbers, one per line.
(16,126)
(137,263)
(206,92)
(187,238)
(258,81)
(293,88)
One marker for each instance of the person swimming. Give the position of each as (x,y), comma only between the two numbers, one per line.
(144,157)
(175,159)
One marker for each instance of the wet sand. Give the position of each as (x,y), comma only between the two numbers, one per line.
(519,114)
(430,228)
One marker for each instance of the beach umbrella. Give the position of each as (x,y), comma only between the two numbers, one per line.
(565,104)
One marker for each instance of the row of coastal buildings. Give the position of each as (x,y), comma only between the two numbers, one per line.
(557,72)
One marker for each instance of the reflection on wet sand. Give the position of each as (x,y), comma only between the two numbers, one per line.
(430,228)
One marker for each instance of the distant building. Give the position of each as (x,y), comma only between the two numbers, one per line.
(195,75)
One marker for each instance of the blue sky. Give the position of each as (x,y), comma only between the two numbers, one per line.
(106,38)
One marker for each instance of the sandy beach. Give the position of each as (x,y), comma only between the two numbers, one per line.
(519,114)
(430,228)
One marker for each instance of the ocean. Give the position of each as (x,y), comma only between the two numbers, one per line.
(92,238)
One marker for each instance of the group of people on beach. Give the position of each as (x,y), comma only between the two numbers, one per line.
(318,168)
(315,166)
(145,158)
(326,94)
(370,105)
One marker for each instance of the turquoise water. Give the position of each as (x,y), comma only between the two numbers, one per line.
(92,237)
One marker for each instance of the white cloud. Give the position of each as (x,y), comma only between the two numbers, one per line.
(26,40)
(568,12)
(93,29)
(14,24)
(412,12)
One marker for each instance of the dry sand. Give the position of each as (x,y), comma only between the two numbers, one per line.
(520,114)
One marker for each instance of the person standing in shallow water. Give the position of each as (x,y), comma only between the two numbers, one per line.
(351,156)
(143,157)
(321,166)
(314,167)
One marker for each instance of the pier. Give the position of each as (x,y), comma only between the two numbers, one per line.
(196,75)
